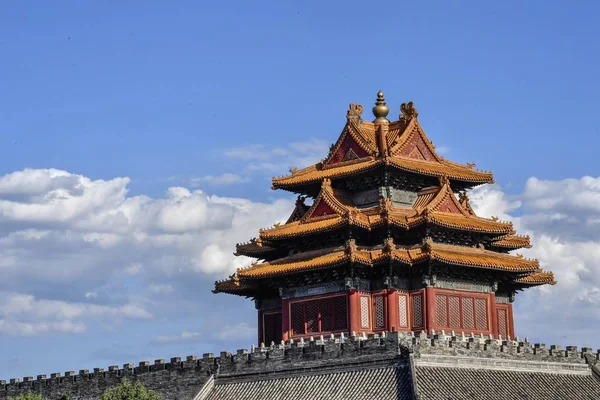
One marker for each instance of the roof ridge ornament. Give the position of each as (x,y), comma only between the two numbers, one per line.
(444,180)
(381,110)
(354,112)
(408,112)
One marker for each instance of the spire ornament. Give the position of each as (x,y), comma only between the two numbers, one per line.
(380,111)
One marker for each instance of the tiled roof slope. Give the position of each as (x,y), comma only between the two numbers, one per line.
(450,382)
(388,383)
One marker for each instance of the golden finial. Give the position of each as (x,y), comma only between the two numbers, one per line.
(380,111)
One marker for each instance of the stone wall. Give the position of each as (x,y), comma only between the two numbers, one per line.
(182,380)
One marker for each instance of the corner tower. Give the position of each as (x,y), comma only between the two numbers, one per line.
(389,243)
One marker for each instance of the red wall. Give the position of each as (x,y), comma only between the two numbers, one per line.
(440,309)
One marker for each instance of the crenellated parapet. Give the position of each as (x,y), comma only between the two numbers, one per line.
(436,346)
(180,378)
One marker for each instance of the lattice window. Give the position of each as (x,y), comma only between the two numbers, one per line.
(312,317)
(379,312)
(326,316)
(340,309)
(454,311)
(468,317)
(481,316)
(272,331)
(323,315)
(502,322)
(364,312)
(402,311)
(297,317)
(441,313)
(417,310)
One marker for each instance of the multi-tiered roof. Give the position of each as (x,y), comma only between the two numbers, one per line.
(385,205)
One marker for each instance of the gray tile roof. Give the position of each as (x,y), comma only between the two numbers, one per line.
(388,383)
(452,383)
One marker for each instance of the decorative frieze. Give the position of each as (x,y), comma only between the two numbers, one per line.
(370,198)
(330,287)
(455,284)
(402,198)
(267,304)
(305,291)
(504,298)
(358,284)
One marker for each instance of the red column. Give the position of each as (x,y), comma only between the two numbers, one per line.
(511,323)
(392,310)
(353,311)
(285,320)
(429,309)
(493,315)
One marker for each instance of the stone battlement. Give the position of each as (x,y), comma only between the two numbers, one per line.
(323,353)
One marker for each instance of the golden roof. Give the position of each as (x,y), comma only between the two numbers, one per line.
(254,248)
(538,278)
(405,147)
(512,242)
(370,256)
(436,205)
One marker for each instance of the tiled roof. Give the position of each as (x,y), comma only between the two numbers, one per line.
(399,138)
(315,174)
(537,278)
(449,382)
(512,242)
(471,257)
(391,383)
(449,254)
(426,209)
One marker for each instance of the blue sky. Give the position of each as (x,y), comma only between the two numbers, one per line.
(106,106)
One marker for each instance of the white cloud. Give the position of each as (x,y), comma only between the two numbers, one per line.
(16,328)
(15,304)
(64,236)
(277,160)
(236,332)
(218,180)
(184,336)
(560,218)
(442,150)
(160,288)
